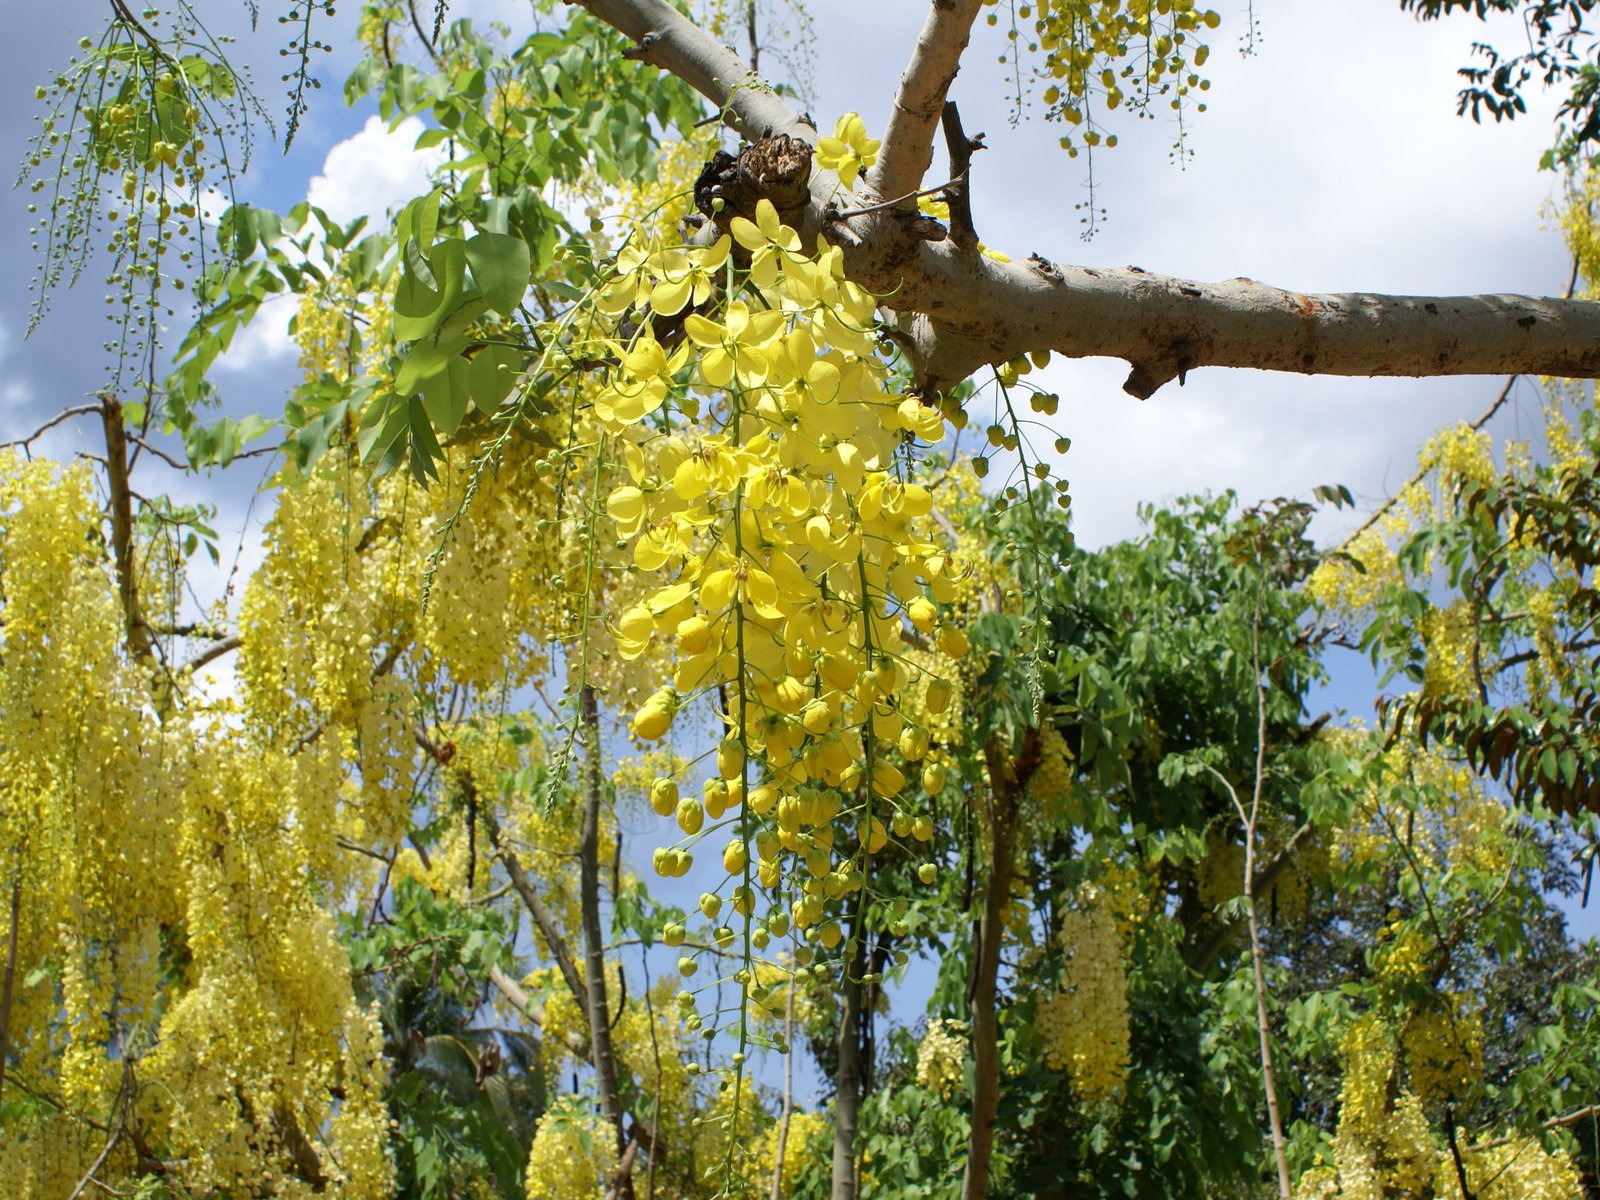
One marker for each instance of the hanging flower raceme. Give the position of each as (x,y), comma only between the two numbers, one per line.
(762,472)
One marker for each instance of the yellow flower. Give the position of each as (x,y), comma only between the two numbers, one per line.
(849,151)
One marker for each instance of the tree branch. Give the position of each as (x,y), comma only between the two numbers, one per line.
(668,40)
(523,1003)
(140,643)
(542,916)
(907,148)
(956,193)
(224,645)
(974,313)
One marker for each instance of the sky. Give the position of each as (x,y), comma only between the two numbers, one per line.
(1331,159)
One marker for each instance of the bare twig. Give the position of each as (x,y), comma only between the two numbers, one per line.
(66,414)
(895,203)
(956,193)
(907,147)
(1250,820)
(158,452)
(224,645)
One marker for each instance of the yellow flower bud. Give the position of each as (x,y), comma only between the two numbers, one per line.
(887,779)
(913,743)
(817,717)
(691,815)
(734,858)
(730,758)
(694,635)
(953,642)
(877,836)
(654,717)
(763,799)
(664,797)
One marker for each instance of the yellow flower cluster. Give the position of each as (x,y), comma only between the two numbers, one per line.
(1050,786)
(1513,1168)
(810,1140)
(1084,1026)
(941,1057)
(1121,51)
(1461,455)
(785,550)
(1385,1145)
(1354,581)
(573,1154)
(139,820)
(1442,1049)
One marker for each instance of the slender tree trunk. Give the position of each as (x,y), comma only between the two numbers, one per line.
(1250,819)
(594,953)
(8,983)
(847,1087)
(1268,1075)
(1004,797)
(137,631)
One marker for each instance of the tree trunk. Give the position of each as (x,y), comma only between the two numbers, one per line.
(8,979)
(1004,805)
(594,952)
(847,1086)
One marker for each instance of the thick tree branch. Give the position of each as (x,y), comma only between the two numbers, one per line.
(670,41)
(976,312)
(593,997)
(958,311)
(907,149)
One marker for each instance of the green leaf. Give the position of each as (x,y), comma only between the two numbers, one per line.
(493,373)
(500,265)
(418,308)
(382,425)
(425,451)
(447,393)
(418,221)
(423,361)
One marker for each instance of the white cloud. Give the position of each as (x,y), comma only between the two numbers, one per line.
(373,171)
(263,342)
(15,394)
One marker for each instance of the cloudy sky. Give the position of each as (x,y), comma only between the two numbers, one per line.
(1331,160)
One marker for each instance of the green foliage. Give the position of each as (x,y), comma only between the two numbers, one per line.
(464,1099)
